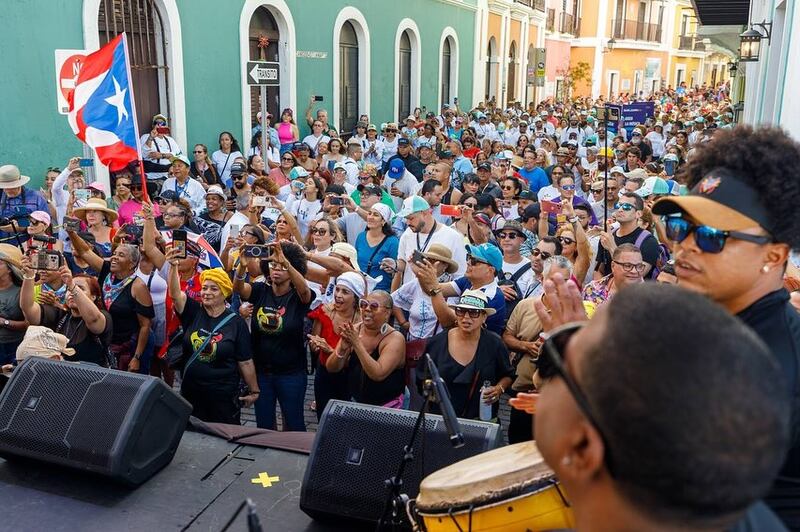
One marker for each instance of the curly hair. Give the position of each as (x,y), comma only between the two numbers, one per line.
(293,253)
(765,158)
(267,184)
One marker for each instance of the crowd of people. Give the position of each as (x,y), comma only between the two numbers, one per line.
(464,235)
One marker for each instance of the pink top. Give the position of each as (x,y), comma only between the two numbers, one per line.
(130,208)
(278,177)
(285,134)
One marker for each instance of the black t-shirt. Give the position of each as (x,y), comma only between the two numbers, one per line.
(216,369)
(649,247)
(124,310)
(88,347)
(211,229)
(278,335)
(491,363)
(367,391)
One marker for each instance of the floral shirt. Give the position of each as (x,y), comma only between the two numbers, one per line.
(596,293)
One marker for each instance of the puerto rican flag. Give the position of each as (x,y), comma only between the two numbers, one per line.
(101,110)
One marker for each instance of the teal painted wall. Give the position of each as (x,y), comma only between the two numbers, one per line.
(34,136)
(32,133)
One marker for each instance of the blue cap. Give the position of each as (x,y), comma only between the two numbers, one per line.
(396,169)
(488,253)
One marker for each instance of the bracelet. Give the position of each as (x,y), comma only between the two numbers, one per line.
(137,357)
(502,390)
(338,355)
(257,392)
(573,220)
(240,277)
(26,278)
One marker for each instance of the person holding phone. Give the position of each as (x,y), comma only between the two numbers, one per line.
(279,310)
(158,148)
(12,321)
(82,319)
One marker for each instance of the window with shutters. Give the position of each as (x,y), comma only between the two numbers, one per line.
(447,97)
(263,46)
(348,78)
(491,71)
(141,20)
(512,73)
(405,77)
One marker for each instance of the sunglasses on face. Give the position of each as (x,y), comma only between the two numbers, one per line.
(630,266)
(708,239)
(624,207)
(123,184)
(321,231)
(472,312)
(373,306)
(536,252)
(558,173)
(287,159)
(507,235)
(565,240)
(552,365)
(136,187)
(472,261)
(567,187)
(509,187)
(471,204)
(278,267)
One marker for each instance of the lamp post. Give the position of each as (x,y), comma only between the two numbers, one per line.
(750,41)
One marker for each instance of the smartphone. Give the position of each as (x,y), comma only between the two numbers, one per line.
(234,233)
(83,194)
(86,162)
(669,168)
(134,231)
(45,259)
(71,224)
(162,130)
(450,210)
(336,200)
(417,257)
(331,164)
(257,250)
(179,241)
(317,98)
(561,218)
(551,207)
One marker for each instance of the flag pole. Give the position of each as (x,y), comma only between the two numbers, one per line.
(135,121)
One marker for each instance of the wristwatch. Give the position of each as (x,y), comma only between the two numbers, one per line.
(435,291)
(574,220)
(137,356)
(6,323)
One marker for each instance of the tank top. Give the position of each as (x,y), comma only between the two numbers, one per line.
(365,390)
(285,132)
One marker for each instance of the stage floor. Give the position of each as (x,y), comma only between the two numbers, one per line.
(199,491)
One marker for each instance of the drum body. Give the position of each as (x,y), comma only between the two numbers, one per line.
(509,489)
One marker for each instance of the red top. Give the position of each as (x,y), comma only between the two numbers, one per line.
(326,332)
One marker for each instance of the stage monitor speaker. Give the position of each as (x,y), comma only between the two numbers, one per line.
(120,425)
(358,447)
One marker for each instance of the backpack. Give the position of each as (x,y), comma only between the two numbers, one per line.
(663,254)
(512,281)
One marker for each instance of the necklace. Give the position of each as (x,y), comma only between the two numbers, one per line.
(427,240)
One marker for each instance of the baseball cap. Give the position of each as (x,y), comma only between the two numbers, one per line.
(97,185)
(402,141)
(616,170)
(168,195)
(372,127)
(371,189)
(562,151)
(488,253)
(339,166)
(527,195)
(485,166)
(531,211)
(512,225)
(653,185)
(412,118)
(481,217)
(347,251)
(180,157)
(411,205)
(215,189)
(445,154)
(396,169)
(41,216)
(638,172)
(238,169)
(298,172)
(606,152)
(722,200)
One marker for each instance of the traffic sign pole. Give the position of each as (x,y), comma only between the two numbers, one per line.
(264,134)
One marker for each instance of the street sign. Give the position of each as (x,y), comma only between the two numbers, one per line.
(68,65)
(540,57)
(263,73)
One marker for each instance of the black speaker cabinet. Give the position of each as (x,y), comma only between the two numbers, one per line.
(358,447)
(120,425)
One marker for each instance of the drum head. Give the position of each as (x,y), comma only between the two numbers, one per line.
(481,478)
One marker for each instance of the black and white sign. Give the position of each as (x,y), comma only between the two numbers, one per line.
(263,73)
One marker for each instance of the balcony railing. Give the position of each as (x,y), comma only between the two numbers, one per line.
(569,24)
(550,25)
(535,4)
(691,42)
(633,30)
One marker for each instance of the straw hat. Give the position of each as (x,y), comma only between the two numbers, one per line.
(43,342)
(12,256)
(96,204)
(442,253)
(11,178)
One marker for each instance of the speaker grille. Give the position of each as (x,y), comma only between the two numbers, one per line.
(66,411)
(358,447)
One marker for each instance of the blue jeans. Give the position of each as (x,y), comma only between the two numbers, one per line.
(288,390)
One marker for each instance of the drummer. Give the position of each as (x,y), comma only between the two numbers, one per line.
(654,432)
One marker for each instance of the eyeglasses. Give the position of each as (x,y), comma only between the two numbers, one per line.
(123,184)
(373,306)
(567,187)
(708,239)
(509,187)
(278,267)
(321,231)
(555,344)
(472,312)
(472,261)
(471,204)
(624,206)
(597,190)
(199,151)
(566,240)
(630,266)
(135,187)
(174,214)
(287,159)
(557,173)
(536,252)
(248,233)
(509,235)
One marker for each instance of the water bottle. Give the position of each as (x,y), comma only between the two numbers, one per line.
(485,408)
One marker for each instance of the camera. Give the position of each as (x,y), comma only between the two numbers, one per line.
(45,259)
(258,251)
(336,200)
(71,224)
(259,201)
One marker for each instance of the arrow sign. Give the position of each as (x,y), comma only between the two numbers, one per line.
(263,73)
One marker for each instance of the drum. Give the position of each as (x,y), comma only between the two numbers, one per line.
(508,489)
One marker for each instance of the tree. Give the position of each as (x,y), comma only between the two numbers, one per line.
(571,75)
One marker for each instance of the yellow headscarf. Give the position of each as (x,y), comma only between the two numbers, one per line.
(219,276)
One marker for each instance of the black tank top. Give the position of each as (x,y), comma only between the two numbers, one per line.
(365,390)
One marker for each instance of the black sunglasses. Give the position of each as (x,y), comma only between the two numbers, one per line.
(552,365)
(537,252)
(708,239)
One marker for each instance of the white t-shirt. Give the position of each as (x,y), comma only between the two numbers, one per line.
(165,144)
(548,193)
(407,184)
(237,219)
(444,235)
(193,192)
(389,148)
(223,162)
(421,317)
(304,211)
(525,280)
(312,142)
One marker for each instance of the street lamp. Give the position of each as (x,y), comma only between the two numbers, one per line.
(611,43)
(732,68)
(750,40)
